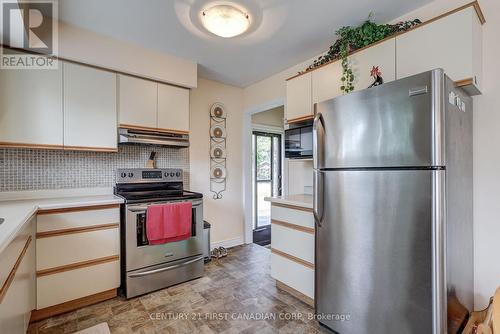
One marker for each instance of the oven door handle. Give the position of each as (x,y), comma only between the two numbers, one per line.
(144,208)
(159,270)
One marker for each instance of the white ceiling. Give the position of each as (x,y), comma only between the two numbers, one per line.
(283,33)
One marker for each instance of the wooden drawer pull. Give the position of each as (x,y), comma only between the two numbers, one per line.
(56,233)
(77,265)
(304,229)
(293,207)
(293,258)
(80,208)
(12,274)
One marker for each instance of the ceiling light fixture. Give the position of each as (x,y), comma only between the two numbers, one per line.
(225,21)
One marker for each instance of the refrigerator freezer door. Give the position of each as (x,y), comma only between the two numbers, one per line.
(398,124)
(376,251)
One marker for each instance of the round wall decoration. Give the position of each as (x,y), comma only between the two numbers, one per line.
(218,110)
(218,172)
(218,131)
(218,150)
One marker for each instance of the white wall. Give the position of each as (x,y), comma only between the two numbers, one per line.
(273,117)
(226,214)
(486,140)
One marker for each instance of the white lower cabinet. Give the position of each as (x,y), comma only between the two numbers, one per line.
(74,284)
(292,249)
(296,276)
(77,256)
(17,285)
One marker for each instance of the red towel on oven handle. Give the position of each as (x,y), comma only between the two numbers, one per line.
(168,222)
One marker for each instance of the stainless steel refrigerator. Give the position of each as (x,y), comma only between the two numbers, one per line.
(393,206)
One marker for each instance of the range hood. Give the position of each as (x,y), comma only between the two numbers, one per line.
(152,137)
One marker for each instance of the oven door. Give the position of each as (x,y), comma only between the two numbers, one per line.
(139,254)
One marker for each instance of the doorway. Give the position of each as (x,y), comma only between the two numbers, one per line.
(267,181)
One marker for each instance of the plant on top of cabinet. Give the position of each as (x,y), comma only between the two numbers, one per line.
(354,38)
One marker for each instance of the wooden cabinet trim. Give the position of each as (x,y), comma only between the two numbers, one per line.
(474,4)
(293,258)
(55,233)
(34,146)
(12,274)
(297,294)
(293,207)
(304,229)
(77,265)
(78,208)
(300,119)
(146,128)
(72,305)
(464,82)
(93,149)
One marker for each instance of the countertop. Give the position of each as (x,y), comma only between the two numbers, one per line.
(301,200)
(18,212)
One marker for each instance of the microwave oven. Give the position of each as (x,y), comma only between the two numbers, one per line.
(299,141)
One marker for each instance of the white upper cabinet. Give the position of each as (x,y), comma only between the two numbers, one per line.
(31,108)
(326,81)
(453,43)
(299,97)
(138,100)
(173,108)
(382,55)
(90,115)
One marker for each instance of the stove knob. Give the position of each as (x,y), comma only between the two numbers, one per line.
(166,174)
(172,174)
(130,174)
(178,174)
(123,174)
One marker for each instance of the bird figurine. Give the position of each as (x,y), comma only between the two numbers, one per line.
(377,75)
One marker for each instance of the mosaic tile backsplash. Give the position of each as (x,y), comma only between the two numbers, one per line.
(27,169)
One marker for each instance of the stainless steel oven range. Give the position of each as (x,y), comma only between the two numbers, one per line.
(145,267)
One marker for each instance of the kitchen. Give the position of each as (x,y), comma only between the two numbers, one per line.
(115,98)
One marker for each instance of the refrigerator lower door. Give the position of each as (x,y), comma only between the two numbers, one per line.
(379,258)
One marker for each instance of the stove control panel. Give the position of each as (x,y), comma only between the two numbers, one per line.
(144,175)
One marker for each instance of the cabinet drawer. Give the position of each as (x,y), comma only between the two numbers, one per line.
(301,217)
(72,248)
(295,275)
(60,221)
(73,284)
(296,243)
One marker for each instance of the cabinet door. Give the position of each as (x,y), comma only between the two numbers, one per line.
(31,107)
(137,102)
(90,118)
(326,82)
(173,108)
(446,43)
(382,55)
(298,97)
(19,298)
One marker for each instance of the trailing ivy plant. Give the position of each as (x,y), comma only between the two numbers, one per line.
(353,38)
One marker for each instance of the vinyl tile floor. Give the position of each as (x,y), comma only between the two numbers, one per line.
(236,295)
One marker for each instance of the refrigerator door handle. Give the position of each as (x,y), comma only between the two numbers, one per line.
(318,142)
(318,162)
(318,197)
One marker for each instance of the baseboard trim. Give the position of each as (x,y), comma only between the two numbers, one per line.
(37,315)
(299,295)
(227,243)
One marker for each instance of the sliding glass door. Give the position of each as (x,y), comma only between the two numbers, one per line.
(267,174)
